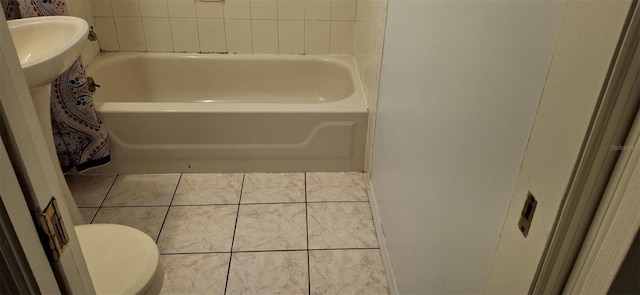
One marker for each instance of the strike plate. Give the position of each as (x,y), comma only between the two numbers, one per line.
(527,214)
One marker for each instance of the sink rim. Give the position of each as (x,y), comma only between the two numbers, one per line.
(45,68)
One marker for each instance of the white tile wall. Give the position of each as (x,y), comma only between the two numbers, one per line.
(265,36)
(237,9)
(125,8)
(343,10)
(290,10)
(154,8)
(101,8)
(341,37)
(106,31)
(181,8)
(156,31)
(238,34)
(317,36)
(209,9)
(76,8)
(234,26)
(317,9)
(130,34)
(291,37)
(211,35)
(264,9)
(185,34)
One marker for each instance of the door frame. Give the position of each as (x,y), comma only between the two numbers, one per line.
(565,142)
(614,227)
(601,155)
(30,269)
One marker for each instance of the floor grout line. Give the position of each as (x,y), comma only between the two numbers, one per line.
(220,204)
(168,209)
(310,249)
(312,202)
(339,249)
(306,213)
(196,253)
(104,199)
(273,203)
(265,251)
(136,206)
(235,227)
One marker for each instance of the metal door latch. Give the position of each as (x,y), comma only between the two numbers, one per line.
(55,237)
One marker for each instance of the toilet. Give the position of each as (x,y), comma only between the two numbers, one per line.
(120,259)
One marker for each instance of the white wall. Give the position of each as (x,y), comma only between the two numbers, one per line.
(459,88)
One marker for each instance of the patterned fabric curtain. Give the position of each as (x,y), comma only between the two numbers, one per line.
(80,138)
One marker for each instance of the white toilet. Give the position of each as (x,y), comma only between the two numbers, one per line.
(120,259)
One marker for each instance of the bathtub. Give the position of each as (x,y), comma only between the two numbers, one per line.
(196,113)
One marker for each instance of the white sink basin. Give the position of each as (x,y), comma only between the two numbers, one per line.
(47,46)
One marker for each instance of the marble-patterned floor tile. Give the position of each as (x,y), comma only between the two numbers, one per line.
(142,190)
(270,227)
(88,213)
(89,190)
(192,229)
(341,225)
(273,188)
(259,273)
(195,273)
(208,189)
(347,272)
(342,186)
(146,219)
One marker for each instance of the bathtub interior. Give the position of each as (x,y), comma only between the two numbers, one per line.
(155,77)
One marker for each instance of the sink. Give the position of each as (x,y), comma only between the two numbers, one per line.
(47,45)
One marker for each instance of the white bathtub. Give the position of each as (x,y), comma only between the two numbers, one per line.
(180,113)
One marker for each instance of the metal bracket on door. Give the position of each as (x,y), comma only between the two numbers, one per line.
(55,237)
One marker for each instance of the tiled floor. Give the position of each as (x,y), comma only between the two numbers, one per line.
(284,233)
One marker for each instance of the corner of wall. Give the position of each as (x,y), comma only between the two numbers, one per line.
(368,42)
(384,251)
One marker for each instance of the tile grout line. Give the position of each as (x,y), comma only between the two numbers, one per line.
(235,227)
(268,251)
(219,204)
(306,215)
(141,206)
(168,208)
(104,199)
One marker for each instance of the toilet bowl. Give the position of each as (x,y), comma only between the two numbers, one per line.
(120,259)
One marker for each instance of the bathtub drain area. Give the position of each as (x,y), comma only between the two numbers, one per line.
(256,233)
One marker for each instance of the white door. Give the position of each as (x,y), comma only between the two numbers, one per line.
(35,169)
